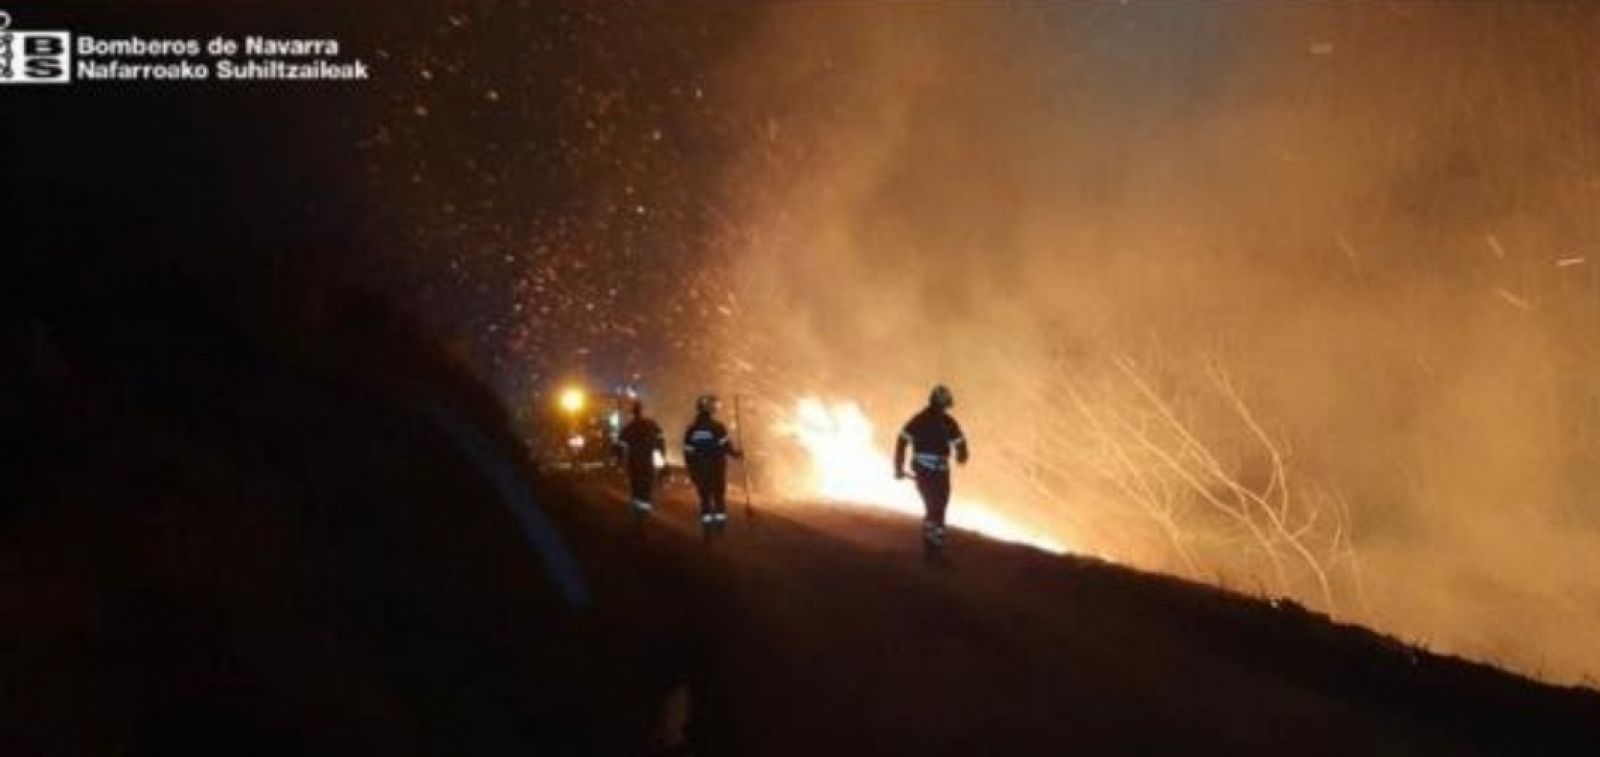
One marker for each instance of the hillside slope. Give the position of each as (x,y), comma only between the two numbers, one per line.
(242,519)
(833,635)
(250,521)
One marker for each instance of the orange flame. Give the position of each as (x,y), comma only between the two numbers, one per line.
(849,466)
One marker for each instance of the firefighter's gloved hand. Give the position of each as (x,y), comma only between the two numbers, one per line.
(899,473)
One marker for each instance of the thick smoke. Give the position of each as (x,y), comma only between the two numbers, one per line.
(1293,297)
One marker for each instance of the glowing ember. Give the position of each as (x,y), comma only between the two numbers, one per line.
(849,466)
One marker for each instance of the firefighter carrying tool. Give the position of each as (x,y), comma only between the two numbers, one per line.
(706,449)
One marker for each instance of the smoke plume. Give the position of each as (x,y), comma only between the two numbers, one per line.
(1296,298)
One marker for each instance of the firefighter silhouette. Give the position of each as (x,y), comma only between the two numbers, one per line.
(706,449)
(637,445)
(932,435)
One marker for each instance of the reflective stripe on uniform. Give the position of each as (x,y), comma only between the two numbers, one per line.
(930,461)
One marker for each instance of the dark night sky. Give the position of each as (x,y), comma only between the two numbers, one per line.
(531,177)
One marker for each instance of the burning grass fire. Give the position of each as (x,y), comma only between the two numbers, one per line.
(849,465)
(1258,294)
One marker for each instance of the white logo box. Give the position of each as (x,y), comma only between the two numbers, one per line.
(29,57)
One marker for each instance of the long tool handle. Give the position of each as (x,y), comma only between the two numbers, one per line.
(744,463)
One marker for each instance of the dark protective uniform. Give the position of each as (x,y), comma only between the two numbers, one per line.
(706,449)
(931,434)
(637,443)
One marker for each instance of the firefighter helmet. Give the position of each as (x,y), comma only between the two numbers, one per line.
(941,397)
